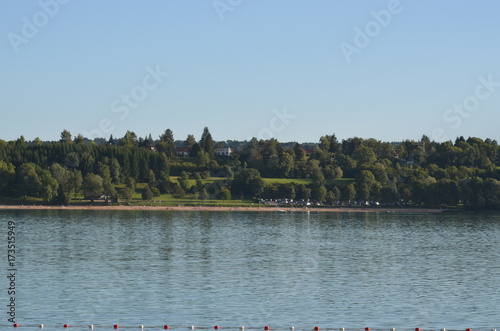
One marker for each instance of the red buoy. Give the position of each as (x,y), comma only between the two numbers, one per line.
(216,327)
(15,325)
(468,330)
(267,328)
(66,325)
(417,329)
(316,328)
(166,327)
(367,329)
(115,326)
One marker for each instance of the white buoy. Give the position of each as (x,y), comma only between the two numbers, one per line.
(393,329)
(292,327)
(342,329)
(91,326)
(141,326)
(191,327)
(242,328)
(41,326)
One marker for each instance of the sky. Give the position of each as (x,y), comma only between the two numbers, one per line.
(293,70)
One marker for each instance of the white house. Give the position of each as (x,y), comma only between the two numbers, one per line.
(224,151)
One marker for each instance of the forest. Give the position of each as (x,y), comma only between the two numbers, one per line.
(460,174)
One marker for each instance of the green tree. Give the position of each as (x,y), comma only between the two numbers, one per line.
(62,175)
(49,186)
(365,180)
(168,146)
(92,185)
(7,176)
(184,180)
(206,143)
(129,139)
(204,194)
(65,136)
(202,159)
(224,194)
(189,143)
(76,180)
(349,193)
(365,156)
(62,198)
(248,183)
(319,193)
(330,198)
(336,193)
(29,183)
(147,194)
(127,193)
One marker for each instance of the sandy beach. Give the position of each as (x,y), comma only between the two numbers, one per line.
(208,208)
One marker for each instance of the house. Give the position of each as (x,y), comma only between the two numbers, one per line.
(224,151)
(181,151)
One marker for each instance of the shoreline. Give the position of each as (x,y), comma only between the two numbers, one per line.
(208,208)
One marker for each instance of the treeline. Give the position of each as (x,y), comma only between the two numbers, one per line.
(465,172)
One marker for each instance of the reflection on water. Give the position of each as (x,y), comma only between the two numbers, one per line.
(255,269)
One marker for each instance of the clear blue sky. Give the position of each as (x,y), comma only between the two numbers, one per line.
(291,69)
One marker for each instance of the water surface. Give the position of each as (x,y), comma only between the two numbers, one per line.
(256,268)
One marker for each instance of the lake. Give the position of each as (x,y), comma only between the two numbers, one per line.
(253,269)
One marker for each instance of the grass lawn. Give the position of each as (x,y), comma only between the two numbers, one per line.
(192,182)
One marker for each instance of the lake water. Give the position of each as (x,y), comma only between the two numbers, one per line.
(254,269)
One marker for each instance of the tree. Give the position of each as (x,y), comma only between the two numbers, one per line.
(108,189)
(206,143)
(129,139)
(127,193)
(92,185)
(224,194)
(349,193)
(248,183)
(79,139)
(365,156)
(76,181)
(114,168)
(7,176)
(63,177)
(336,193)
(49,186)
(364,183)
(184,180)
(147,194)
(178,192)
(62,198)
(318,193)
(300,153)
(65,136)
(204,194)
(29,183)
(189,143)
(202,159)
(168,146)
(330,198)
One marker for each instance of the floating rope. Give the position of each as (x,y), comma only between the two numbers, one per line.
(217,327)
